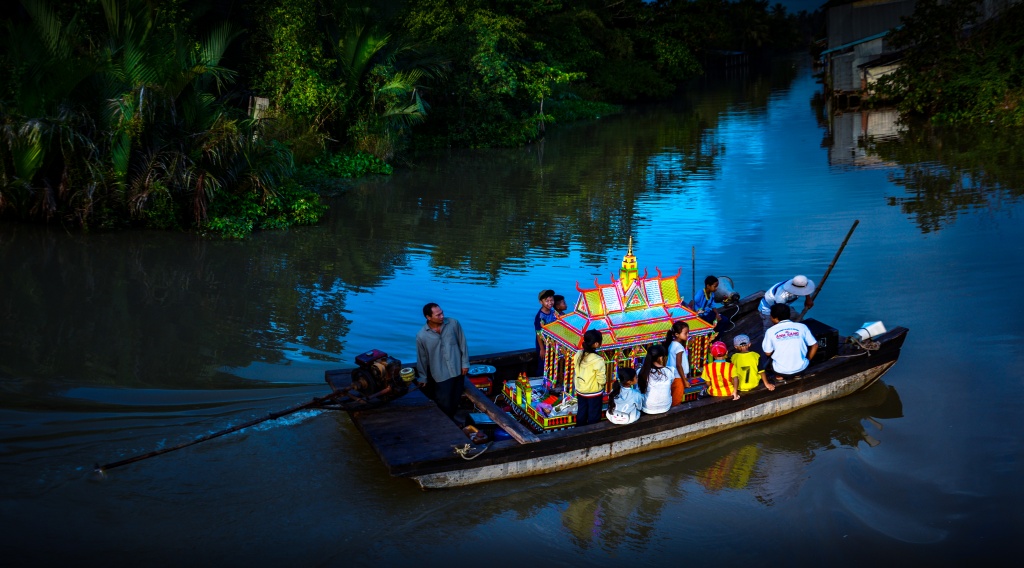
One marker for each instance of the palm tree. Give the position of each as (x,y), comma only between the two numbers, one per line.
(163,125)
(383,81)
(169,130)
(46,134)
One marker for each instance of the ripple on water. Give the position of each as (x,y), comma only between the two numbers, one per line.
(877,509)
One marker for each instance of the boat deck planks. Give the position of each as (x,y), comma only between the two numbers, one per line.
(520,433)
(409,430)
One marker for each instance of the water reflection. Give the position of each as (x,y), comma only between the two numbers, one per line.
(157,310)
(768,461)
(851,135)
(162,310)
(944,172)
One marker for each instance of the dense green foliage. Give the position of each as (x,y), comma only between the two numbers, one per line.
(123,120)
(133,113)
(953,73)
(507,57)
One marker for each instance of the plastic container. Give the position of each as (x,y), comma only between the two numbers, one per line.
(408,374)
(870,330)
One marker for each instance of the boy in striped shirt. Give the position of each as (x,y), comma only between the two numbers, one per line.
(721,376)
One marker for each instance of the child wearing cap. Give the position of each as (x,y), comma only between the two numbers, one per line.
(720,375)
(748,365)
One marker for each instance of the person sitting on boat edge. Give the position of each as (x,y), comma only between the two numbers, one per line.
(545,315)
(625,401)
(590,379)
(748,365)
(560,306)
(655,381)
(720,375)
(786,292)
(704,303)
(678,359)
(441,352)
(788,345)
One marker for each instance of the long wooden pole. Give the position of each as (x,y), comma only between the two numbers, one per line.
(693,273)
(821,283)
(500,417)
(316,401)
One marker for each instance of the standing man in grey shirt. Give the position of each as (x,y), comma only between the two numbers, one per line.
(442,359)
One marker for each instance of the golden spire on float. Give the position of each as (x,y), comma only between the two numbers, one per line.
(629,272)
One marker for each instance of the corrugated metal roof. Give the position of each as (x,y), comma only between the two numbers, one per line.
(857,42)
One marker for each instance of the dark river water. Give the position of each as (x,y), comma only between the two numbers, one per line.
(117,344)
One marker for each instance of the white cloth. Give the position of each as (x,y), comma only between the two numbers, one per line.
(658,398)
(627,407)
(674,348)
(788,341)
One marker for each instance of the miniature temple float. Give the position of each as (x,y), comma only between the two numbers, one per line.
(632,313)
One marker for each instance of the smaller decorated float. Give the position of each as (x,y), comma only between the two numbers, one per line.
(632,313)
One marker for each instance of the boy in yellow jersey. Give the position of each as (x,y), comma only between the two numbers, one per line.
(747,363)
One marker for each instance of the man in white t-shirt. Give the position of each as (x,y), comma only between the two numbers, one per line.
(788,345)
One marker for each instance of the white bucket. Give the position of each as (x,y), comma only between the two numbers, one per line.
(870,330)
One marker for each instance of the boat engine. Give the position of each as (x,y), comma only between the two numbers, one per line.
(726,293)
(376,372)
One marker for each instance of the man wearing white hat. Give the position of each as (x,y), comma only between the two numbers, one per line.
(786,292)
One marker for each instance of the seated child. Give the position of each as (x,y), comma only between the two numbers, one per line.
(747,363)
(678,359)
(624,402)
(655,381)
(704,304)
(720,375)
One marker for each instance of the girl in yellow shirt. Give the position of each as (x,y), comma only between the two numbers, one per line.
(590,380)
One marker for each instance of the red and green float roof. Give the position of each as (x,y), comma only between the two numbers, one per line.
(634,310)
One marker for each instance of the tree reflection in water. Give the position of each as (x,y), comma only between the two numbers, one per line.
(165,310)
(947,171)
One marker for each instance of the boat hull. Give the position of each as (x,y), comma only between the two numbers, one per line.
(645,442)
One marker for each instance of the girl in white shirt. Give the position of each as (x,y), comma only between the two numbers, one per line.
(624,402)
(678,359)
(655,381)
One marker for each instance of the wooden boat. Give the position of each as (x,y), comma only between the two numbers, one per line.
(414,439)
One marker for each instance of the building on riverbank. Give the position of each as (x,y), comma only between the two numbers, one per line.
(858,51)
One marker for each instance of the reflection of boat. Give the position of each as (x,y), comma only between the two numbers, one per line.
(769,461)
(415,439)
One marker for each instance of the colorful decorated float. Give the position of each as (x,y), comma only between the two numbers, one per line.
(632,313)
